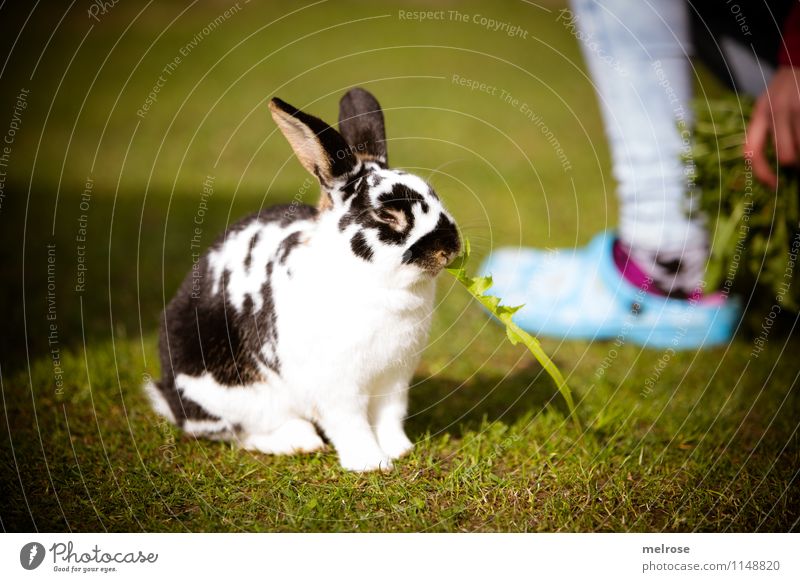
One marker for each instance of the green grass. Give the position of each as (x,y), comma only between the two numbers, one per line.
(713,446)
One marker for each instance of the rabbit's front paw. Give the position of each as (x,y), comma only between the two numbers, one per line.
(365,460)
(394,442)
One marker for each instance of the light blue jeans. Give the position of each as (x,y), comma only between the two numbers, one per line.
(637,54)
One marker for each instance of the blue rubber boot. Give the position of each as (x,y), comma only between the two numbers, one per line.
(581,294)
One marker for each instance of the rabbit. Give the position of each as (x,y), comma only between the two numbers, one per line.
(308,321)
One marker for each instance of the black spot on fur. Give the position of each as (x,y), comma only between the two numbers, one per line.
(443,238)
(182,408)
(403,197)
(400,199)
(202,332)
(287,246)
(387,234)
(360,246)
(253,242)
(264,326)
(354,183)
(358,207)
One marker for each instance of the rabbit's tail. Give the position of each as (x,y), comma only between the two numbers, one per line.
(158,401)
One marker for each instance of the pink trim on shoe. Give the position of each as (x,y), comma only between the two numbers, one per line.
(632,272)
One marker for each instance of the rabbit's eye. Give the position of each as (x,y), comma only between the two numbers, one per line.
(393,217)
(386,215)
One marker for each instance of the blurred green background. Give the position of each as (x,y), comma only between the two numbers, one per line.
(519,158)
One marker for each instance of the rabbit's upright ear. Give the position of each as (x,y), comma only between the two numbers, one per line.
(319,147)
(361,124)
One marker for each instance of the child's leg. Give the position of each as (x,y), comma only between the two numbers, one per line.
(637,53)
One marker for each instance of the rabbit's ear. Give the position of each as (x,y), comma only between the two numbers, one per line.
(319,147)
(361,124)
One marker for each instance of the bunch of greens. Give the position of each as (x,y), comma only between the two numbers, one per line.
(477,287)
(754,229)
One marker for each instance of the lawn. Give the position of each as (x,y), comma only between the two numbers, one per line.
(102,191)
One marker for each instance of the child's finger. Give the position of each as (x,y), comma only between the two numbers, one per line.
(755,147)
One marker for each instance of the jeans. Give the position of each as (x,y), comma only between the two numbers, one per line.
(637,53)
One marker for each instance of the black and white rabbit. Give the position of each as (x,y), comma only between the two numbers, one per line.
(308,318)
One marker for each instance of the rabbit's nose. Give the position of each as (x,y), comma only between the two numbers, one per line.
(443,257)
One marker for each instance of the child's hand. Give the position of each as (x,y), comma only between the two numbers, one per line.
(777,114)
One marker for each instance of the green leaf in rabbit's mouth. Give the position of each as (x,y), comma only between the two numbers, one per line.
(477,287)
